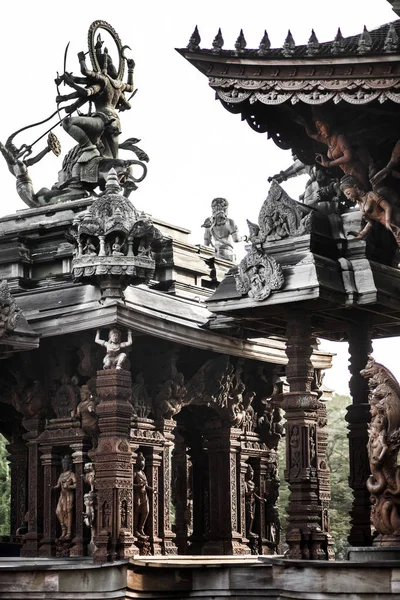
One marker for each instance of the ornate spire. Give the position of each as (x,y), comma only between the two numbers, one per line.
(218,42)
(364,42)
(313,44)
(338,43)
(265,44)
(391,40)
(240,43)
(289,45)
(112,183)
(194,41)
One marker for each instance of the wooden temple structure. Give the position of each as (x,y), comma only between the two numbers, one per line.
(146,382)
(327,267)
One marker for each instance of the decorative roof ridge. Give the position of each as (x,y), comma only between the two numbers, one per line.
(384,39)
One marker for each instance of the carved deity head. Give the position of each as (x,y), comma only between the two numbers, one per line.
(249,473)
(66,463)
(349,187)
(114,335)
(219,207)
(323,129)
(140,461)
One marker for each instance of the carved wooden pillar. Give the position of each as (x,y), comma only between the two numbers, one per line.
(113,464)
(181,491)
(50,460)
(358,417)
(153,468)
(200,492)
(222,446)
(242,497)
(260,465)
(323,475)
(30,541)
(168,544)
(305,537)
(18,457)
(82,533)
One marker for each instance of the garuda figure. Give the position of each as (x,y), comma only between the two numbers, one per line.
(86,165)
(383,448)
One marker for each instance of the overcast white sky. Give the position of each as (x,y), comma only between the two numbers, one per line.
(197,149)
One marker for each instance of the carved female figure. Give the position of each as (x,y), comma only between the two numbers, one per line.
(140,497)
(250,500)
(66,484)
(340,153)
(373,208)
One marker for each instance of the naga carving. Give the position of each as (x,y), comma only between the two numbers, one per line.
(383,448)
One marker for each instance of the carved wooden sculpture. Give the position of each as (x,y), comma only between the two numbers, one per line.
(66,484)
(383,448)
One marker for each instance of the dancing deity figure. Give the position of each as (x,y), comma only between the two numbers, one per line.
(66,484)
(140,497)
(115,358)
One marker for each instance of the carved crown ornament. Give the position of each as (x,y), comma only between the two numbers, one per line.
(113,242)
(280,217)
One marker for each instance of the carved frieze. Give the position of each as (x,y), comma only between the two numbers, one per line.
(258,275)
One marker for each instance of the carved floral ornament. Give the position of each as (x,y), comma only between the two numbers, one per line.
(275,92)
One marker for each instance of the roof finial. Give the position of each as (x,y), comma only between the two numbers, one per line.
(218,42)
(112,183)
(392,39)
(364,42)
(289,45)
(338,43)
(313,44)
(194,41)
(240,43)
(265,44)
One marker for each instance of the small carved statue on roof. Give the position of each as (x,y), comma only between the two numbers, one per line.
(340,153)
(383,448)
(66,484)
(140,497)
(89,247)
(115,358)
(250,501)
(220,231)
(373,208)
(116,248)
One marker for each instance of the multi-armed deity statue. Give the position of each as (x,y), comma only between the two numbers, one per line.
(86,165)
